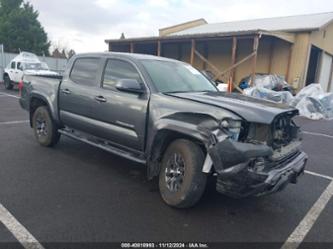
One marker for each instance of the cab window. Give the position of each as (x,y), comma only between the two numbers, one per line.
(116,70)
(85,71)
(12,65)
(19,66)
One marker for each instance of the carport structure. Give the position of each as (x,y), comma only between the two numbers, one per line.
(229,56)
(299,48)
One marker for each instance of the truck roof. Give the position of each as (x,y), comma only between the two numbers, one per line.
(134,56)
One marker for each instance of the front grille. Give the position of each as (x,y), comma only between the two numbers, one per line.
(281,132)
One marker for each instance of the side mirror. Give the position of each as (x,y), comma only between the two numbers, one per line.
(129,85)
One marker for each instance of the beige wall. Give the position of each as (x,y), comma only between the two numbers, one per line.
(323,38)
(299,60)
(219,54)
(280,55)
(244,48)
(182,26)
(271,50)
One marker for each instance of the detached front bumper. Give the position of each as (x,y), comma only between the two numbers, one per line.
(254,173)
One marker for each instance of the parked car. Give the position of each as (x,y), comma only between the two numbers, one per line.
(166,115)
(25,64)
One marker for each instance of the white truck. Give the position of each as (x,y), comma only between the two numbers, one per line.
(25,64)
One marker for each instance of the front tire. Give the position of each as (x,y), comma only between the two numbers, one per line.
(8,83)
(181,180)
(45,129)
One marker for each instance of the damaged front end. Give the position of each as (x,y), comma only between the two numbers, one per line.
(252,159)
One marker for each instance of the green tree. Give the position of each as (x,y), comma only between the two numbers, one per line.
(20,28)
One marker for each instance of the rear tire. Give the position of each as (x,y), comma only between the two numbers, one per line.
(45,129)
(8,83)
(181,180)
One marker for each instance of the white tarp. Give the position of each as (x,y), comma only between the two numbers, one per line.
(312,101)
(270,81)
(264,93)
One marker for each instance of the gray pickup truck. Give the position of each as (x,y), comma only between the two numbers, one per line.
(166,115)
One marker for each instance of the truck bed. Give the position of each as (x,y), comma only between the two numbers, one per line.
(40,86)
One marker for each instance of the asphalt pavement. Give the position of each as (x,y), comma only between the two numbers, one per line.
(75,193)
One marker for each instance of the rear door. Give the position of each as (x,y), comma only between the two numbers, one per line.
(76,93)
(121,116)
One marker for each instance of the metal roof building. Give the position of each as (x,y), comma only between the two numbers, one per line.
(286,24)
(298,47)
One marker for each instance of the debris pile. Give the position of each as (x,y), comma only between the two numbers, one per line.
(268,86)
(312,101)
(264,93)
(268,81)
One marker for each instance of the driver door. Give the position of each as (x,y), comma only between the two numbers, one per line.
(18,72)
(12,71)
(120,116)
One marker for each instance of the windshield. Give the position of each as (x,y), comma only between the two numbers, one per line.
(171,77)
(35,66)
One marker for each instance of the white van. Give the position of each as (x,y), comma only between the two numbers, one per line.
(25,64)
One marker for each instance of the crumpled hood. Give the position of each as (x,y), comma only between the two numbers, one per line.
(249,108)
(40,72)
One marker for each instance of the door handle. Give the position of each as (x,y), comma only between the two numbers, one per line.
(100,99)
(66,91)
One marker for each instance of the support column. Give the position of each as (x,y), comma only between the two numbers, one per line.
(159,47)
(289,60)
(132,47)
(192,52)
(254,60)
(233,61)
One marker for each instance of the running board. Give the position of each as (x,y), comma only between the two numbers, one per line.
(103,145)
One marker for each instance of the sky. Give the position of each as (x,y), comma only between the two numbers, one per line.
(83,25)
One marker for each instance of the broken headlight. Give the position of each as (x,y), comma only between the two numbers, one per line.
(232,127)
